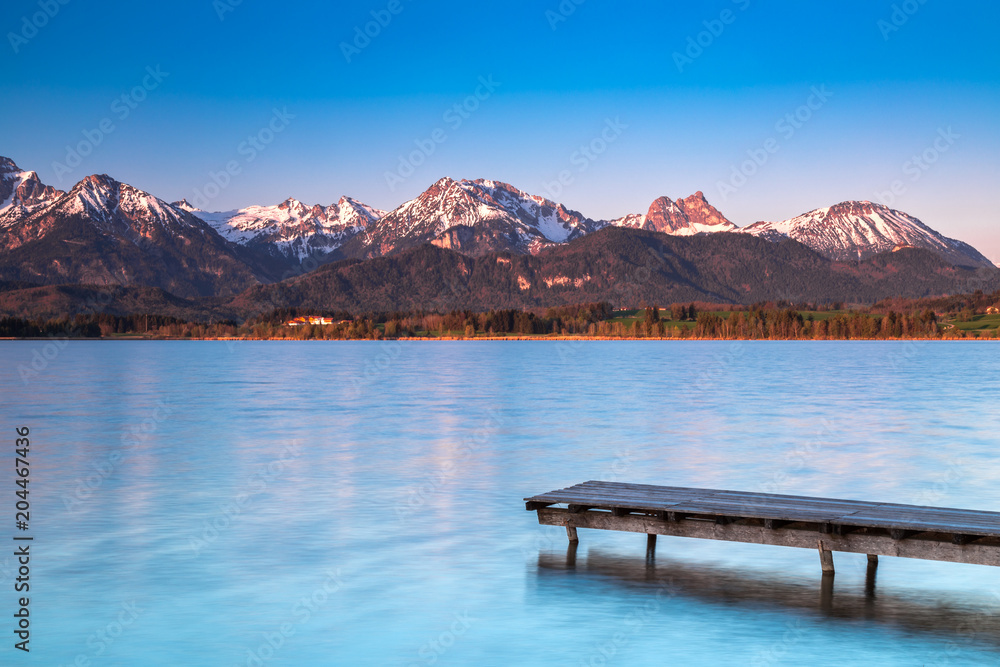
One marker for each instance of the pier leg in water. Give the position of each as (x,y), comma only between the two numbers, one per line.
(826,591)
(650,545)
(825,559)
(571,555)
(571,534)
(870,575)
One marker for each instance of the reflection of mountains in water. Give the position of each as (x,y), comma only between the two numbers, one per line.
(964,620)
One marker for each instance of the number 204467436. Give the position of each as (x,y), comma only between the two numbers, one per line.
(23,472)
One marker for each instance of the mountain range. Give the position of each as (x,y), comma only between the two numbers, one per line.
(104,232)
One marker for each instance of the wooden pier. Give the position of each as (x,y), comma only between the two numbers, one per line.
(876,529)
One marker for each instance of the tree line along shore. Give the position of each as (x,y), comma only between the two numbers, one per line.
(972,316)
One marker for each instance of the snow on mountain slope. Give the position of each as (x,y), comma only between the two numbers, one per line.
(501,217)
(112,208)
(107,201)
(471,216)
(629,221)
(685,217)
(295,229)
(21,192)
(856,230)
(103,232)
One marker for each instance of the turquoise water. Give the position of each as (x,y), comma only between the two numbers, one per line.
(310,503)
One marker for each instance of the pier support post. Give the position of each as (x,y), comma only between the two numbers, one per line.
(870,576)
(571,534)
(826,592)
(650,545)
(825,559)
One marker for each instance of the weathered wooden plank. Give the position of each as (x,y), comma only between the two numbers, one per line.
(533,505)
(839,515)
(924,518)
(884,545)
(720,494)
(753,497)
(707,496)
(758,511)
(825,559)
(716,493)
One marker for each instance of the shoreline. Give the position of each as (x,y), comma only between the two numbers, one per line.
(421,339)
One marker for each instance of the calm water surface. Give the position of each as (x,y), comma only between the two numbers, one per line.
(308,503)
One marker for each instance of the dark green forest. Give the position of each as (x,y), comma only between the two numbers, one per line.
(954,317)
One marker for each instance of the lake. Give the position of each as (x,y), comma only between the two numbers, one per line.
(338,503)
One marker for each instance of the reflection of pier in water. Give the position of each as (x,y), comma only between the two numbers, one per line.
(961,620)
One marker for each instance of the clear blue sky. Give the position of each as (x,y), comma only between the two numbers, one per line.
(895,88)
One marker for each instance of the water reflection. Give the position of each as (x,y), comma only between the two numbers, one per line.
(824,598)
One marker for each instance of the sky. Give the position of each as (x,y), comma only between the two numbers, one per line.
(770,108)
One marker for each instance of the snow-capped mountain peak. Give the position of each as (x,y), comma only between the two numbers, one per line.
(120,215)
(685,217)
(471,216)
(856,230)
(21,192)
(105,201)
(294,229)
(477,216)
